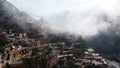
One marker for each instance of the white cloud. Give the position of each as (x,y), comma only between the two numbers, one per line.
(83,17)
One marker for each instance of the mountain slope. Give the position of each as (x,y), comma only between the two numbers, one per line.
(107,43)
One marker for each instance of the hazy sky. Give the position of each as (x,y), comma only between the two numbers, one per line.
(46,7)
(83,17)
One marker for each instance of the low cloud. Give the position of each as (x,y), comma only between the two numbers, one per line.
(79,17)
(87,19)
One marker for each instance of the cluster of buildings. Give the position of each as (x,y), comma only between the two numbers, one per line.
(89,59)
(68,59)
(49,55)
(17,46)
(14,41)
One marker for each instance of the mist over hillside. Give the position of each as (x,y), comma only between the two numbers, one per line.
(103,35)
(20,21)
(106,42)
(13,19)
